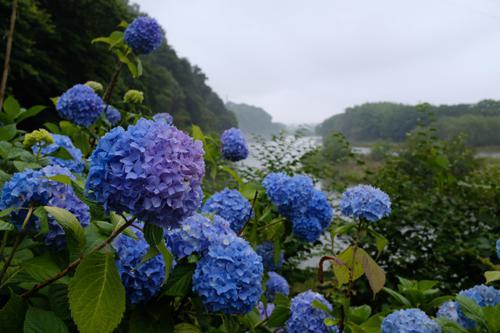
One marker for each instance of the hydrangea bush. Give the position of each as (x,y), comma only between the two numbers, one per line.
(74,256)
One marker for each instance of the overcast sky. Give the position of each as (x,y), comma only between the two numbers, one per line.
(303,61)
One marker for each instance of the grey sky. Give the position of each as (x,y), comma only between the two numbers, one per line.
(303,61)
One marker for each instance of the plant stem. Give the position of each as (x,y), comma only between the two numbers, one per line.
(19,239)
(8,51)
(111,85)
(77,261)
(4,241)
(251,212)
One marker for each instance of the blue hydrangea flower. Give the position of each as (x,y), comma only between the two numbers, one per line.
(228,277)
(276,284)
(449,310)
(409,320)
(290,194)
(498,248)
(195,234)
(80,105)
(230,205)
(164,116)
(483,296)
(266,251)
(142,281)
(306,228)
(113,115)
(143,35)
(151,170)
(265,312)
(365,201)
(305,318)
(34,188)
(234,145)
(75,164)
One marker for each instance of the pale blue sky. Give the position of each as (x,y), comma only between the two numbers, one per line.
(303,61)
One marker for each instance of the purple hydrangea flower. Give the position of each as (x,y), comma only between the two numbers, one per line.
(151,170)
(483,296)
(265,311)
(144,35)
(164,116)
(228,277)
(80,105)
(276,284)
(234,145)
(409,320)
(365,201)
(230,205)
(305,318)
(142,280)
(266,251)
(195,234)
(113,115)
(34,188)
(75,164)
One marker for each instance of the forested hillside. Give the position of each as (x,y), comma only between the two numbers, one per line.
(253,119)
(479,122)
(53,51)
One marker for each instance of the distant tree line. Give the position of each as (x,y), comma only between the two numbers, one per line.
(252,119)
(52,51)
(480,122)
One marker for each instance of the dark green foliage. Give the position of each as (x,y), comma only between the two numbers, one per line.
(255,120)
(445,211)
(52,52)
(391,121)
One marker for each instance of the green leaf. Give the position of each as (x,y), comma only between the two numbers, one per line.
(374,273)
(61,179)
(8,132)
(360,314)
(20,166)
(58,300)
(450,326)
(179,284)
(281,312)
(492,276)
(398,297)
(118,221)
(62,153)
(186,328)
(42,321)
(380,241)
(41,268)
(197,134)
(153,234)
(321,306)
(75,235)
(342,271)
(31,112)
(52,128)
(233,174)
(96,294)
(12,314)
(5,226)
(492,317)
(11,107)
(471,310)
(114,39)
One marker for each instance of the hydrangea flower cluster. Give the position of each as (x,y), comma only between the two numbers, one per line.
(39,136)
(33,187)
(143,35)
(305,318)
(142,281)
(296,198)
(449,310)
(80,105)
(483,296)
(365,201)
(75,164)
(113,115)
(266,251)
(276,284)
(234,145)
(195,234)
(151,170)
(409,320)
(230,205)
(228,277)
(133,96)
(164,116)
